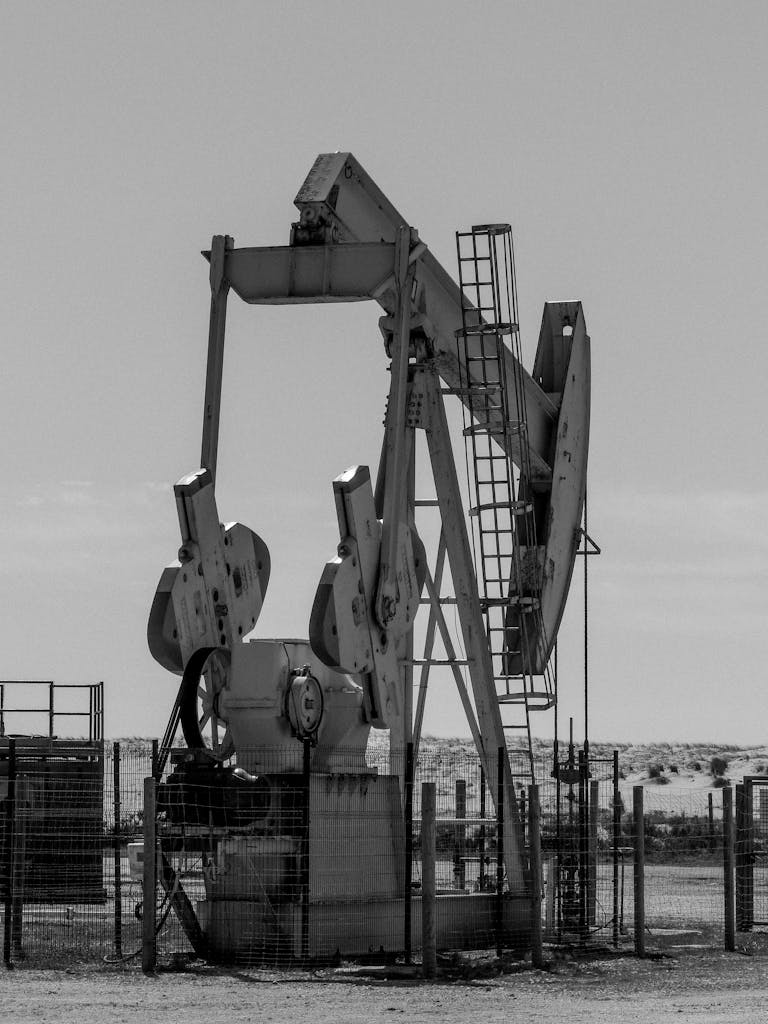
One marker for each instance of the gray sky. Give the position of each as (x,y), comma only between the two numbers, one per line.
(627,145)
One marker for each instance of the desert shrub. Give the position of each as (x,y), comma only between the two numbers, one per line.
(694,766)
(718,765)
(655,770)
(674,769)
(719,781)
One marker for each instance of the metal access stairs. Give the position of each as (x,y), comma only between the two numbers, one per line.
(509,562)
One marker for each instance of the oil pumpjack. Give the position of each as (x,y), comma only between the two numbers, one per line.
(276,708)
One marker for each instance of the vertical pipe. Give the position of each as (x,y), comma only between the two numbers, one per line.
(10,837)
(500,853)
(534,832)
(428,889)
(306,779)
(50,710)
(117,851)
(461,834)
(586,625)
(149,881)
(728,866)
(637,810)
(155,759)
(616,843)
(407,904)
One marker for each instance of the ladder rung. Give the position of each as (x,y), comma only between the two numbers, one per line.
(436,661)
(472,388)
(485,329)
(517,508)
(535,701)
(508,429)
(525,604)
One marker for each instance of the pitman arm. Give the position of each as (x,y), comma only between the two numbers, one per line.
(212,596)
(343,629)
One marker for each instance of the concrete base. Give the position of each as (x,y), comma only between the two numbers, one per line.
(248,931)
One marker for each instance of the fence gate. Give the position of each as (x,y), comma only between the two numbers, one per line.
(752,853)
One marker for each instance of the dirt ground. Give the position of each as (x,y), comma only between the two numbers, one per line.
(710,987)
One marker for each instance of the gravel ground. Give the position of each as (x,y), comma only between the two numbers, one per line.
(715,988)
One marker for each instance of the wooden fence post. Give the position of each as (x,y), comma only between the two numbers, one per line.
(149,881)
(534,839)
(428,888)
(639,836)
(728,871)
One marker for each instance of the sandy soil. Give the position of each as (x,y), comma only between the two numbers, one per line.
(715,988)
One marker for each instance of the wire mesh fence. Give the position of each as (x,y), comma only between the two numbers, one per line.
(318,855)
(69,887)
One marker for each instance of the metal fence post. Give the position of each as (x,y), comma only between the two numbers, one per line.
(728,871)
(10,828)
(534,833)
(639,837)
(616,844)
(428,897)
(149,881)
(407,900)
(500,852)
(117,851)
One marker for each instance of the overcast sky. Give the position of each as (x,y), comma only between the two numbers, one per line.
(626,143)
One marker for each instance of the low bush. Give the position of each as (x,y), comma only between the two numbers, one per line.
(718,766)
